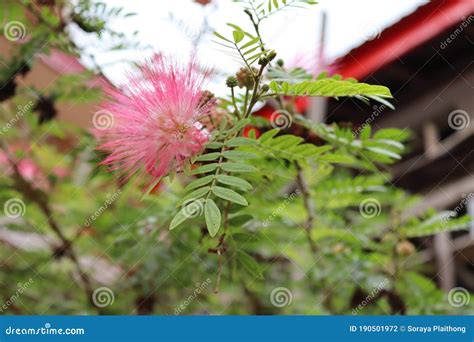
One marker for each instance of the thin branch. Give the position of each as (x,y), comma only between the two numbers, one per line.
(41,200)
(303,187)
(235,103)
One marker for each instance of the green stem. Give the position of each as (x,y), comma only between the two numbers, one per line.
(303,187)
(234,103)
(227,231)
(255,95)
(256,26)
(246,100)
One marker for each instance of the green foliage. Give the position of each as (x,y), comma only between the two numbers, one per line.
(213,217)
(253,213)
(221,169)
(332,87)
(264,8)
(434,223)
(250,265)
(280,74)
(287,147)
(243,45)
(385,146)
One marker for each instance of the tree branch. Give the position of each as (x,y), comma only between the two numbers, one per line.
(303,187)
(41,200)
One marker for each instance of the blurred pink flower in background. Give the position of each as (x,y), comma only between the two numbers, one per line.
(28,170)
(156,119)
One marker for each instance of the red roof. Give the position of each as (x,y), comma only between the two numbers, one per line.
(65,64)
(424,24)
(411,31)
(62,63)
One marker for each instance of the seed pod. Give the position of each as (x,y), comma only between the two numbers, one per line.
(338,248)
(245,77)
(405,248)
(206,96)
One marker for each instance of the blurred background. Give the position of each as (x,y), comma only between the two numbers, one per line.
(422,50)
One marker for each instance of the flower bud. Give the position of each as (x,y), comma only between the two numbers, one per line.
(271,55)
(231,81)
(263,61)
(265,88)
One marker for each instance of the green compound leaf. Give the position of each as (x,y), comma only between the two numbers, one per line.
(331,87)
(205,168)
(234,181)
(208,156)
(197,183)
(212,215)
(238,155)
(240,141)
(229,195)
(249,264)
(238,167)
(178,219)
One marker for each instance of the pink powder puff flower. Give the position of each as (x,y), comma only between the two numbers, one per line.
(154,122)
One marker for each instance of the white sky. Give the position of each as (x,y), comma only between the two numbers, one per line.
(168,25)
